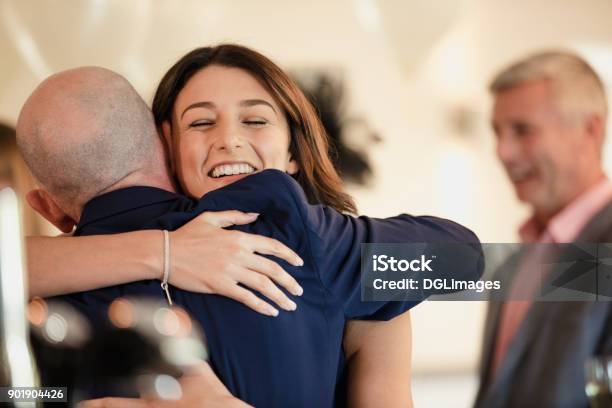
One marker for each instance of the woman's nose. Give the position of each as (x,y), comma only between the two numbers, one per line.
(228,138)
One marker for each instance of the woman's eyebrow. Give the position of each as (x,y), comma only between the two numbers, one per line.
(203,104)
(253,102)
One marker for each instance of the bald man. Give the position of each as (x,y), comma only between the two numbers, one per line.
(119,148)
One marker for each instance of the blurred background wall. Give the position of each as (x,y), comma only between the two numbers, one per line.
(416,71)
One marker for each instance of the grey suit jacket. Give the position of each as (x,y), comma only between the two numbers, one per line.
(544,365)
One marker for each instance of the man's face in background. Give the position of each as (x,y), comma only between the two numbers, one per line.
(539,149)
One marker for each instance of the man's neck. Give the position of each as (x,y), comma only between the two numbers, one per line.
(159,178)
(140,178)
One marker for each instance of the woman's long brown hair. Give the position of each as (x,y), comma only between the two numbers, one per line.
(309,145)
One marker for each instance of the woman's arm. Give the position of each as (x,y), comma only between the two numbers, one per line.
(379,362)
(204,258)
(64,264)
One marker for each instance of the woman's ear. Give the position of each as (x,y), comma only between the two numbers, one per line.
(43,204)
(292,166)
(168,146)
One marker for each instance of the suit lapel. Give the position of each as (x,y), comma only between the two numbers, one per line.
(525,335)
(494,309)
(599,229)
(493,315)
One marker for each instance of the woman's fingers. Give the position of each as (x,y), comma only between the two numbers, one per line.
(274,271)
(270,246)
(223,219)
(261,244)
(248,298)
(266,287)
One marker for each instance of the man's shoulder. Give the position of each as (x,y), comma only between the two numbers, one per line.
(128,209)
(599,227)
(268,190)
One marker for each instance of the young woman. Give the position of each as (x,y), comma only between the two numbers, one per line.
(227,112)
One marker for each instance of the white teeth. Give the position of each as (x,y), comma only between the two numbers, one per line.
(232,169)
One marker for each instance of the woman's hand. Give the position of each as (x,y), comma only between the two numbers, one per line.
(209,259)
(200,388)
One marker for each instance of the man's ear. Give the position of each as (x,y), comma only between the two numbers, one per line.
(168,146)
(43,204)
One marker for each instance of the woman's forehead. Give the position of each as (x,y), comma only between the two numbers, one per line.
(222,85)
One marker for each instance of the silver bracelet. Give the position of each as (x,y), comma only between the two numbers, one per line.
(166,276)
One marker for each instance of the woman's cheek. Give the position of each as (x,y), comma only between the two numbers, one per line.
(190,154)
(189,168)
(273,149)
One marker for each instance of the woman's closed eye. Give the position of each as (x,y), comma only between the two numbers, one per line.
(202,123)
(258,122)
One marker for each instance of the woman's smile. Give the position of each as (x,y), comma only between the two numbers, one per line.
(227,172)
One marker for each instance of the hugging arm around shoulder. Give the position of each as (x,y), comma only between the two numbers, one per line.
(379,349)
(335,242)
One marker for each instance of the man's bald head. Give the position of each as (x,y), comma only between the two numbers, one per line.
(83,131)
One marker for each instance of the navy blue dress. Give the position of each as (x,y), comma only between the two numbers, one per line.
(295,359)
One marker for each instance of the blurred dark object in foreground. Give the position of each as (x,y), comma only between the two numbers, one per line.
(142,349)
(350,137)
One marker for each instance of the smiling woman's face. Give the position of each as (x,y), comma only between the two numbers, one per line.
(228,126)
